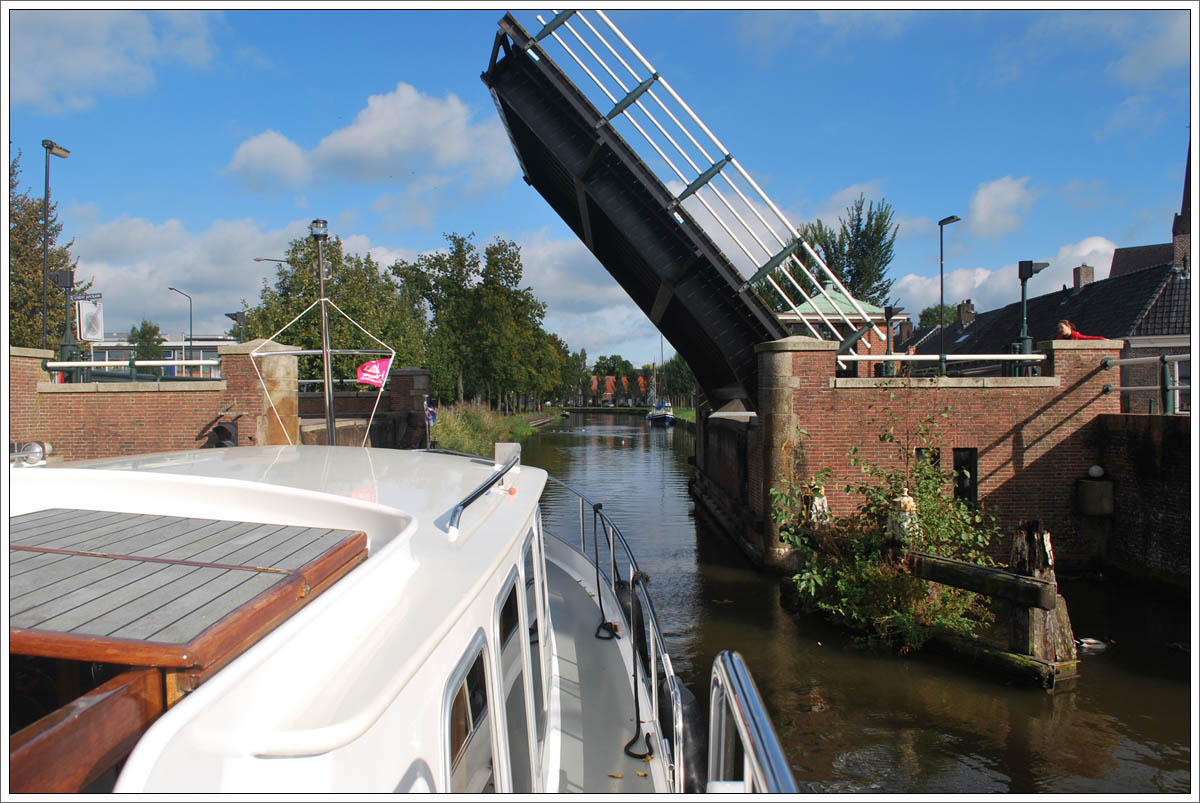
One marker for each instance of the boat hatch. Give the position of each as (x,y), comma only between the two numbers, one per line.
(183,595)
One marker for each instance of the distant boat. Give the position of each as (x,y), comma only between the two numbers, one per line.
(662,415)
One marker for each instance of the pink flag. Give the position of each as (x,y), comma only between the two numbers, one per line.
(373,372)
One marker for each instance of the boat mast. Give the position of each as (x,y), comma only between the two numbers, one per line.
(319,230)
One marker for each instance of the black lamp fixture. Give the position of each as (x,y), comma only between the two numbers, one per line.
(188,348)
(942,224)
(52,149)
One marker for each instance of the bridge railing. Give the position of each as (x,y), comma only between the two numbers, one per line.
(1168,388)
(759,240)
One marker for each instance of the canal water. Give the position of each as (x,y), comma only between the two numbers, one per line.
(854,721)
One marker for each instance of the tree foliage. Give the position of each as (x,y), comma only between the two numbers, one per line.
(849,572)
(371,297)
(929,315)
(858,251)
(25,266)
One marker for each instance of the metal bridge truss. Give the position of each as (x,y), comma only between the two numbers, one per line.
(680,224)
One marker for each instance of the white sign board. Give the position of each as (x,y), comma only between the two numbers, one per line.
(89,317)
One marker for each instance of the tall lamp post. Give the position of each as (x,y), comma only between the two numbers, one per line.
(319,231)
(1026,268)
(187,348)
(942,224)
(52,149)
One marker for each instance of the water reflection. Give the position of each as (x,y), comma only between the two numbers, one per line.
(855,721)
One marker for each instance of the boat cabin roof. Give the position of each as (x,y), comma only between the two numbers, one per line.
(185,559)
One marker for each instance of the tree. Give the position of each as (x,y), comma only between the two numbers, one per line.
(676,380)
(25,267)
(929,315)
(146,339)
(387,309)
(858,252)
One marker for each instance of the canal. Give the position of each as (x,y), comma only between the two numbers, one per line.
(861,722)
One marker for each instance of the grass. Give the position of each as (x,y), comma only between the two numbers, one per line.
(476,429)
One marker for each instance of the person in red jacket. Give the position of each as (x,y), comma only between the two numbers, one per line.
(1067,331)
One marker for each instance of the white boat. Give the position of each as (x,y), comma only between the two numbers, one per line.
(662,415)
(312,619)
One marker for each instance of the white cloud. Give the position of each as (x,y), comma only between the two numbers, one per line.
(765,32)
(1138,46)
(133,261)
(994,288)
(1137,114)
(269,161)
(64,60)
(999,207)
(428,148)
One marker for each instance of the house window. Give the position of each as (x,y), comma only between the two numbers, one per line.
(966,474)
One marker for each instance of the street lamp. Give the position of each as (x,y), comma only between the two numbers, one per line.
(52,149)
(1026,268)
(186,348)
(319,231)
(942,224)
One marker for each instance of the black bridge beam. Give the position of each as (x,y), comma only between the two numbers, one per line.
(625,216)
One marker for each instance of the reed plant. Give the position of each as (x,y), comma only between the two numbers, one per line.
(476,429)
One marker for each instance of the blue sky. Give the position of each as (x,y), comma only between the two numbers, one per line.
(204,138)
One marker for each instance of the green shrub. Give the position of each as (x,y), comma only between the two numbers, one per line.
(476,429)
(850,573)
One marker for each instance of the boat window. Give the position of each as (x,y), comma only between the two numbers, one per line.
(508,618)
(533,595)
(470,734)
(512,664)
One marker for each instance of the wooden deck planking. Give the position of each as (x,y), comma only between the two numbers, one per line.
(151,581)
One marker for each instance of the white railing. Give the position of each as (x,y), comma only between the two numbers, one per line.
(762,244)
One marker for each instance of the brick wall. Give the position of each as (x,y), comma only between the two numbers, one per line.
(105,419)
(1035,436)
(1147,459)
(399,415)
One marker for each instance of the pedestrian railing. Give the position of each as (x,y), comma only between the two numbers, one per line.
(84,368)
(1168,388)
(706,181)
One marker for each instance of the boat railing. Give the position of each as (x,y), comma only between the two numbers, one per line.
(660,668)
(737,710)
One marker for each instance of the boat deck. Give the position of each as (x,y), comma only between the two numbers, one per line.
(165,591)
(593,719)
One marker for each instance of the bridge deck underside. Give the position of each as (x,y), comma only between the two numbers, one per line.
(620,210)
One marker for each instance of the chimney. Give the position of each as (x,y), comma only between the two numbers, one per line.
(1084,274)
(966,313)
(904,331)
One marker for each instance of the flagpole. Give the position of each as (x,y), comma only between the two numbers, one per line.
(425,415)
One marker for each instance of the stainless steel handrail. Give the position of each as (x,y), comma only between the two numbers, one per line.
(456,516)
(658,652)
(733,693)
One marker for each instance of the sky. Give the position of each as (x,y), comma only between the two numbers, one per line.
(201,139)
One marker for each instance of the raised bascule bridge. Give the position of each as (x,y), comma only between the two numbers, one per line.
(678,222)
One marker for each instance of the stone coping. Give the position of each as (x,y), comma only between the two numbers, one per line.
(131,387)
(1080,345)
(947,382)
(798,343)
(39,354)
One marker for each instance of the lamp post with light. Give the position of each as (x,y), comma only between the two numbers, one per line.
(942,224)
(319,231)
(186,349)
(1026,269)
(52,149)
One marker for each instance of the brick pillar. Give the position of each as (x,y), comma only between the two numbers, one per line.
(24,411)
(245,392)
(784,367)
(407,388)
